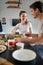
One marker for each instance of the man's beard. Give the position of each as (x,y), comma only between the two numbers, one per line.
(36,16)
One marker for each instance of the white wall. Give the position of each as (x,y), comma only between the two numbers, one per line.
(11,13)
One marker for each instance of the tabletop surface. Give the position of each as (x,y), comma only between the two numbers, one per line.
(8,55)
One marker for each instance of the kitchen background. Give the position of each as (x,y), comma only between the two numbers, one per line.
(13,13)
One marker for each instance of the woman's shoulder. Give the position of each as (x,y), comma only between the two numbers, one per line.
(29,22)
(18,24)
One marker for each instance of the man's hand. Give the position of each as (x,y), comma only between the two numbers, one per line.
(18,39)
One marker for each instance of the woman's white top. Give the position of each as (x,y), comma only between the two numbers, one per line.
(24,28)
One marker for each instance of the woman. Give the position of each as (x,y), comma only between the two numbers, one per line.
(24,26)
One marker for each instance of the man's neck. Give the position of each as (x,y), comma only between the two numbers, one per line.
(40,16)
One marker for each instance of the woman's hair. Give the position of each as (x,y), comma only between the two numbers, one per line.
(37,4)
(21,14)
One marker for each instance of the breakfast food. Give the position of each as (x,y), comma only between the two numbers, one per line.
(18,35)
(2,42)
(2,48)
(0,37)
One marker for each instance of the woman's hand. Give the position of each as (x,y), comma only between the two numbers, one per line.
(28,34)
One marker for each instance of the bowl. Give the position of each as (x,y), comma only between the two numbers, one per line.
(19,45)
(24,57)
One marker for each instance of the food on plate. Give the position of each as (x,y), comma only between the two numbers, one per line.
(18,35)
(0,37)
(2,42)
(2,48)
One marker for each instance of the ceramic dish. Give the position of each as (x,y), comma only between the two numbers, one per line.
(24,55)
(2,48)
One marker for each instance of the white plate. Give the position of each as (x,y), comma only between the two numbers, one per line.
(2,48)
(24,55)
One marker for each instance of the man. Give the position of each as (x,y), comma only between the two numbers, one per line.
(37,12)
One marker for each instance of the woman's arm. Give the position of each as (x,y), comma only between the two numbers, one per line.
(13,31)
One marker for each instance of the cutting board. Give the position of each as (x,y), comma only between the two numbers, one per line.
(5,62)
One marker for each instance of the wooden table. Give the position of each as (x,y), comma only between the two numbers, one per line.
(5,62)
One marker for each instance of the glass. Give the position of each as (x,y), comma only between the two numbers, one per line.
(11,44)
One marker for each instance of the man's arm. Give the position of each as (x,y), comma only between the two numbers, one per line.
(31,35)
(34,40)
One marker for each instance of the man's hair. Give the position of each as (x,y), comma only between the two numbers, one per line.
(37,4)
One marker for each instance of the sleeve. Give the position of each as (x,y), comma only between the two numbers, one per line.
(30,25)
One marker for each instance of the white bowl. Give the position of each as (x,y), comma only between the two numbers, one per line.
(19,45)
